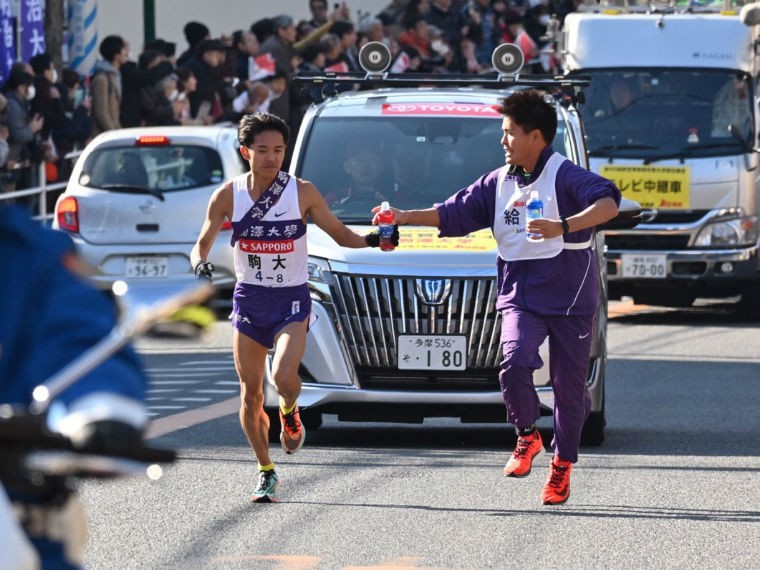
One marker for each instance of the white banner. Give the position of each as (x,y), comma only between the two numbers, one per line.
(83,35)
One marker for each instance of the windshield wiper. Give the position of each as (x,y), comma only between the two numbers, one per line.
(707,146)
(608,147)
(139,189)
(681,155)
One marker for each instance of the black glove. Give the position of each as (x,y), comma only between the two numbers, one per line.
(373,239)
(203,270)
(108,437)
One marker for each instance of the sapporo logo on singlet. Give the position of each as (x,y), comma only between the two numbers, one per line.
(267,246)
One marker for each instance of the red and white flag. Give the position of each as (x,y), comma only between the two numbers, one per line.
(261,66)
(340,67)
(401,64)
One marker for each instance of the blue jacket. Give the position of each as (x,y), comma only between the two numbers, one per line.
(50,316)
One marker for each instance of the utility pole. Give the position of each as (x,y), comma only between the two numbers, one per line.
(54,18)
(149,20)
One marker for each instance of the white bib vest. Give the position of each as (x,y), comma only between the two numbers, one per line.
(510,219)
(270,251)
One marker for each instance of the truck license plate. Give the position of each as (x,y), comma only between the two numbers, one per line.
(432,352)
(146,267)
(646,266)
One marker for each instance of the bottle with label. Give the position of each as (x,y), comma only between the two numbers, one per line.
(534,210)
(386,227)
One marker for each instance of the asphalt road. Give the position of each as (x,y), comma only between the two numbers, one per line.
(675,485)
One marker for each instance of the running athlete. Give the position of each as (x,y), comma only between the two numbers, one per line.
(271,303)
(546,287)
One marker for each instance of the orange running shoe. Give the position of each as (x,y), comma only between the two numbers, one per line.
(557,487)
(528,446)
(293,433)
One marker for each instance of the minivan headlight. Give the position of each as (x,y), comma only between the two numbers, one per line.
(729,233)
(319,271)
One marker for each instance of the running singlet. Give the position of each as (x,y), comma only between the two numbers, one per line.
(510,219)
(269,237)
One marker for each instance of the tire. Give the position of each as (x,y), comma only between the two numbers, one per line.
(312,420)
(749,304)
(593,430)
(274,425)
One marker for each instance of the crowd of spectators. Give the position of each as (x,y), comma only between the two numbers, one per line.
(45,115)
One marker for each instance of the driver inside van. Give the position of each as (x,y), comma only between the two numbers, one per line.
(732,108)
(370,181)
(621,95)
(364,169)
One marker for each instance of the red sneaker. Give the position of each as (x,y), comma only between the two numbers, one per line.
(293,433)
(528,446)
(557,487)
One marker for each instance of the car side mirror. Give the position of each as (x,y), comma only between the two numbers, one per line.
(629,216)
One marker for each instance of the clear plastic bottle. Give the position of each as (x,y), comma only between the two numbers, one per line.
(386,227)
(534,210)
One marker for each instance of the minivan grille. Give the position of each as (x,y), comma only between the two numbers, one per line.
(373,310)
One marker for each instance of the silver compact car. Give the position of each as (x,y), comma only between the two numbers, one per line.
(137,198)
(409,334)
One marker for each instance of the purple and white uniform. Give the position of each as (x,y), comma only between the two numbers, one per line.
(269,241)
(544,289)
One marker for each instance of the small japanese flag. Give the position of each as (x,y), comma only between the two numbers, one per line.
(340,67)
(401,64)
(264,65)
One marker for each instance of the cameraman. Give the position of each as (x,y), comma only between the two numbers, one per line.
(51,315)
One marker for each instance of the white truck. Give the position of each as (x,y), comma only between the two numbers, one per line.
(671,117)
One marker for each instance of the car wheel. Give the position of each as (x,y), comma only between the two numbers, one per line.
(274,425)
(593,430)
(749,304)
(311,419)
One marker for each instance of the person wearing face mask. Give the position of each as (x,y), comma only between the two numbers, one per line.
(78,126)
(535,22)
(48,103)
(158,101)
(22,125)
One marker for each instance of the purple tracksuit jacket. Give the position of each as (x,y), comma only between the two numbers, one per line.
(542,286)
(555,297)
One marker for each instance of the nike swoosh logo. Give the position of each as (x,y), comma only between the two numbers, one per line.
(582,336)
(278,214)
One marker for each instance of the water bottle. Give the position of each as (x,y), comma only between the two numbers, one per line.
(386,227)
(534,210)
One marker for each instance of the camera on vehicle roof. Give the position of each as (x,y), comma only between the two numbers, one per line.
(507,59)
(375,58)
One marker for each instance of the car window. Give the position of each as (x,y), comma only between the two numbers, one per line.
(413,161)
(648,113)
(162,168)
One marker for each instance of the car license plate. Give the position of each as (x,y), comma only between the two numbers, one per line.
(146,267)
(432,352)
(646,266)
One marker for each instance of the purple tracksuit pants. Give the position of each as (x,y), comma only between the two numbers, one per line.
(522,333)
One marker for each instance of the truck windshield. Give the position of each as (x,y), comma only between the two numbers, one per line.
(651,113)
(413,162)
